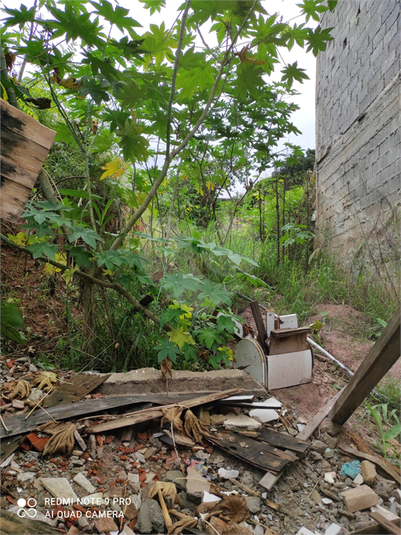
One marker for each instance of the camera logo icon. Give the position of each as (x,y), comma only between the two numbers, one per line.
(27,507)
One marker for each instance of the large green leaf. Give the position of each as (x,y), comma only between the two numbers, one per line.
(178,283)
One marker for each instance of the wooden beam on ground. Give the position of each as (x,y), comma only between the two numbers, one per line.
(149,414)
(386,524)
(381,357)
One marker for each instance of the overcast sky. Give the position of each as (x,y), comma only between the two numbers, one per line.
(304,118)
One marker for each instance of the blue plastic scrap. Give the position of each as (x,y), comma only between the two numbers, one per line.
(351,469)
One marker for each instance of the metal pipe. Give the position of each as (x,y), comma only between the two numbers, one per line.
(327,354)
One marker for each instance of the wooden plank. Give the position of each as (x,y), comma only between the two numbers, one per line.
(384,353)
(75,389)
(256,453)
(262,335)
(280,440)
(313,424)
(17,423)
(389,526)
(149,414)
(9,445)
(390,469)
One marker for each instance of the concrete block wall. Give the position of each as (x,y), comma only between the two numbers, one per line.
(358,135)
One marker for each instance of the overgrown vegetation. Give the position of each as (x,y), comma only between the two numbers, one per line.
(155,210)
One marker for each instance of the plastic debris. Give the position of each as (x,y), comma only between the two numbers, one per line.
(351,469)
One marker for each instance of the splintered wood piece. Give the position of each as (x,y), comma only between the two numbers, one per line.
(280,440)
(386,524)
(262,335)
(256,453)
(75,389)
(25,144)
(150,414)
(360,498)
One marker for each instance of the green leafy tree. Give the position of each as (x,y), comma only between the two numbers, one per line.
(140,97)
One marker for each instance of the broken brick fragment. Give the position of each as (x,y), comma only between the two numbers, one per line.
(37,443)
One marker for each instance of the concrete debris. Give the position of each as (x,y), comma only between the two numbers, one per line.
(241,422)
(368,470)
(264,415)
(360,498)
(59,487)
(226,474)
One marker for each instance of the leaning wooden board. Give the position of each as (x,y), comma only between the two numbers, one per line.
(24,147)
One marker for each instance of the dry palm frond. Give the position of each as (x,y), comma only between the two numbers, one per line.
(62,440)
(16,390)
(45,380)
(194,427)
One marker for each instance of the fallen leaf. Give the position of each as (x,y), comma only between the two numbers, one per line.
(173,415)
(185,521)
(45,380)
(62,440)
(167,489)
(16,390)
(233,508)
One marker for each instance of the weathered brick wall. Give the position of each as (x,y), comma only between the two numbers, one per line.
(358,145)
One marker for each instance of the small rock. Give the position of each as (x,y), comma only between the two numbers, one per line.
(247,479)
(150,517)
(327,501)
(330,428)
(35,394)
(368,472)
(328,453)
(358,480)
(315,456)
(319,446)
(33,368)
(330,441)
(17,404)
(183,501)
(305,531)
(177,477)
(384,488)
(83,523)
(253,503)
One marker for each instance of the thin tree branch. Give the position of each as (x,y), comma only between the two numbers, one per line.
(138,213)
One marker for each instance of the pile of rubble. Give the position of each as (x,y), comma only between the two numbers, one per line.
(79,459)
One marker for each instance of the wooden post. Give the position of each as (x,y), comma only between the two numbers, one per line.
(262,335)
(379,360)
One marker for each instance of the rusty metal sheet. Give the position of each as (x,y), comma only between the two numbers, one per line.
(251,451)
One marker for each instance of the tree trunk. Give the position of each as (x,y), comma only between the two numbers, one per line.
(89,317)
